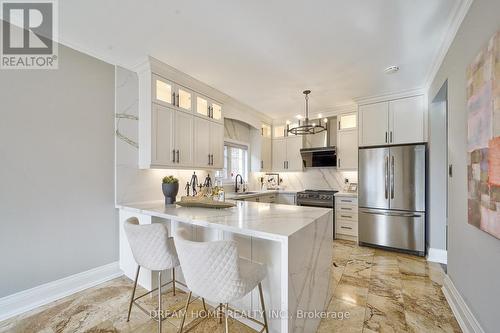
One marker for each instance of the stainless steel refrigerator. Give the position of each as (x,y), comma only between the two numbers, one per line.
(392,197)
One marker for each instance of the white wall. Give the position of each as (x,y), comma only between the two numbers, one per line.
(438,175)
(56,171)
(473,255)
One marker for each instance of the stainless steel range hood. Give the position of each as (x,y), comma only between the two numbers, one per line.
(319,149)
(319,157)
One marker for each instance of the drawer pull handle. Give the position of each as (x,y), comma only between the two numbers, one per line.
(346,227)
(347,216)
(346,200)
(345,208)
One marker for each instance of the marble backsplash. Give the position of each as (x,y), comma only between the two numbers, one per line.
(311,179)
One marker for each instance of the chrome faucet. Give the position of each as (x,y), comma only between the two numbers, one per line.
(236,182)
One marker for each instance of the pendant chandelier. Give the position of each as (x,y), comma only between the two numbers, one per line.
(307,127)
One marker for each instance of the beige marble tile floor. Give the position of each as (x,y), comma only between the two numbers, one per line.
(381,292)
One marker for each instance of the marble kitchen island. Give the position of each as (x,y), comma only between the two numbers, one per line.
(294,242)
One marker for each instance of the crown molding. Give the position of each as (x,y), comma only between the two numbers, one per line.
(389,96)
(454,22)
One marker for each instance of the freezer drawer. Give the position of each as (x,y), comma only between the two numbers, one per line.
(401,230)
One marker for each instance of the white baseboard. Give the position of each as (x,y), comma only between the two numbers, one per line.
(468,323)
(29,299)
(437,255)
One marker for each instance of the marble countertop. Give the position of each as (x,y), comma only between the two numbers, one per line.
(234,196)
(347,194)
(261,220)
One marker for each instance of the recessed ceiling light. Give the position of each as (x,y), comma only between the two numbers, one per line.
(391,69)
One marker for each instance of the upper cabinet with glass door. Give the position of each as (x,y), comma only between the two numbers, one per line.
(170,94)
(209,108)
(347,121)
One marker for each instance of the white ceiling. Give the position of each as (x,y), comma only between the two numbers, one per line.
(264,53)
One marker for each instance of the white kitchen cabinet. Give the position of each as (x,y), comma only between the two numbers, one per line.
(346,217)
(393,122)
(286,154)
(347,121)
(202,147)
(163,149)
(279,154)
(286,199)
(373,124)
(279,131)
(208,108)
(217,145)
(173,131)
(266,155)
(347,149)
(168,93)
(266,148)
(293,157)
(170,134)
(406,120)
(183,138)
(208,143)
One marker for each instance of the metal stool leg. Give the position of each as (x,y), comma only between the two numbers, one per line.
(133,292)
(185,312)
(160,315)
(226,314)
(173,279)
(261,296)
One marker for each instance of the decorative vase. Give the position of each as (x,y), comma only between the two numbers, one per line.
(170,192)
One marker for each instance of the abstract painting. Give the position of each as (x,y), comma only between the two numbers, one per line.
(483,138)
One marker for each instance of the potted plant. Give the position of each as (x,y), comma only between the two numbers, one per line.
(170,187)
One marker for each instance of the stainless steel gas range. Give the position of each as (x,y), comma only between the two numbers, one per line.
(318,198)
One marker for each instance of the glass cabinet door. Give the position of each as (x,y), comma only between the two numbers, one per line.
(279,131)
(216,111)
(266,130)
(163,91)
(202,106)
(347,121)
(184,99)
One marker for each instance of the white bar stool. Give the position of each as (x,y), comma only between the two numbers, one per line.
(153,250)
(214,270)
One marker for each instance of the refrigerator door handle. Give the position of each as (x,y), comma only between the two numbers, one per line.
(402,214)
(386,167)
(392,177)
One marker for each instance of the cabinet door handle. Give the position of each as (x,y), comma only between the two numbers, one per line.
(350,201)
(173,155)
(261,164)
(345,208)
(385,137)
(177,155)
(346,216)
(339,163)
(345,227)
(177,100)
(208,159)
(391,137)
(212,162)
(173,99)
(262,131)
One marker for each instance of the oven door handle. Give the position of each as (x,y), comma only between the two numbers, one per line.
(313,204)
